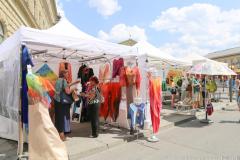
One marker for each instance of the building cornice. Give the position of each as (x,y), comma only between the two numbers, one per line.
(22,4)
(224,53)
(223,56)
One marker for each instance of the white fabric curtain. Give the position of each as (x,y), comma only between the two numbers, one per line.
(9,89)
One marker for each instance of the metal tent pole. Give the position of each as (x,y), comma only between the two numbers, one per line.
(20,127)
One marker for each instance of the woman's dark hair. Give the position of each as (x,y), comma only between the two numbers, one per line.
(94,79)
(61,74)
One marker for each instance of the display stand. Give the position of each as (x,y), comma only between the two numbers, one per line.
(206,120)
(153,138)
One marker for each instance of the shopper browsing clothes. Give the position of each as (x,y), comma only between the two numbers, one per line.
(204,90)
(62,111)
(93,99)
(196,92)
(173,92)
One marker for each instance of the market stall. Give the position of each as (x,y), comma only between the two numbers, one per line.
(41,48)
(133,72)
(210,68)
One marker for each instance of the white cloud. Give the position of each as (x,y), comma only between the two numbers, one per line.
(60,8)
(178,50)
(105,7)
(121,32)
(202,26)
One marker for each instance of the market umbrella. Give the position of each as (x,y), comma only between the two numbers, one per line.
(210,67)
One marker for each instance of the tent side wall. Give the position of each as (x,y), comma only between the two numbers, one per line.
(10,86)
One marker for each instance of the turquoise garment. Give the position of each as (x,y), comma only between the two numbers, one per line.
(164,86)
(58,88)
(196,86)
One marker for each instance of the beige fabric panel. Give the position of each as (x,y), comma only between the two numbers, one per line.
(44,140)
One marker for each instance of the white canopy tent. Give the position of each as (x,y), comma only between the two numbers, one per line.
(144,48)
(192,58)
(46,46)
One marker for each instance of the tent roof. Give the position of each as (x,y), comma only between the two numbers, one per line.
(65,40)
(66,28)
(192,58)
(145,48)
(210,67)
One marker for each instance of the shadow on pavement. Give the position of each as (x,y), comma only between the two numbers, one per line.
(84,130)
(229,121)
(194,124)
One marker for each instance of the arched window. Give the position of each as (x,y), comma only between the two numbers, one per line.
(1,33)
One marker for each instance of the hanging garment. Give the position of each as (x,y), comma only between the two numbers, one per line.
(164,86)
(115,92)
(26,60)
(137,113)
(155,95)
(131,79)
(80,70)
(117,65)
(104,73)
(130,76)
(44,141)
(211,86)
(86,75)
(104,87)
(38,89)
(111,92)
(67,67)
(46,72)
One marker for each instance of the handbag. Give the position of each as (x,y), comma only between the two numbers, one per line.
(210,109)
(99,95)
(64,97)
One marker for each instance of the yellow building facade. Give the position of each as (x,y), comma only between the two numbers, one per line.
(40,14)
(230,56)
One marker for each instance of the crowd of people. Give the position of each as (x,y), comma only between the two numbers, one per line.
(198,89)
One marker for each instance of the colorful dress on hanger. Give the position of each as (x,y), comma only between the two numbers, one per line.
(117,65)
(104,73)
(131,79)
(65,66)
(155,94)
(111,92)
(47,73)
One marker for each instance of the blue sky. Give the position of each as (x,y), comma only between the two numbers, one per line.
(177,27)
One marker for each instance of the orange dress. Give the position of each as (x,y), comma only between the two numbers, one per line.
(130,78)
(66,66)
(111,92)
(155,94)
